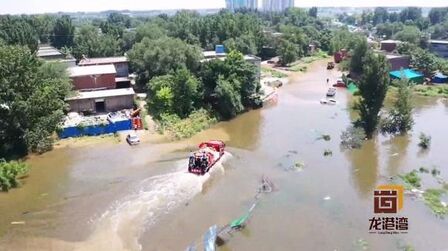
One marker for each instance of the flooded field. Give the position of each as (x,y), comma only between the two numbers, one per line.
(116,197)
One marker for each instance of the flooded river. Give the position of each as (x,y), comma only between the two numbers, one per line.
(116,197)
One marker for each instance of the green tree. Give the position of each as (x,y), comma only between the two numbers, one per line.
(151,58)
(372,89)
(400,118)
(312,12)
(287,51)
(411,14)
(149,30)
(90,43)
(228,98)
(160,96)
(356,61)
(185,88)
(438,15)
(409,34)
(380,15)
(32,97)
(175,93)
(17,31)
(63,32)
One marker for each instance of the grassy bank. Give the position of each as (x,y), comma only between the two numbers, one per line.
(301,65)
(273,73)
(185,128)
(424,90)
(431,90)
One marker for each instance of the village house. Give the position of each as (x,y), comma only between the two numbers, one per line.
(439,47)
(51,54)
(121,65)
(96,90)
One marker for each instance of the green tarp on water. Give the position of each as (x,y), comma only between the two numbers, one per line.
(352,88)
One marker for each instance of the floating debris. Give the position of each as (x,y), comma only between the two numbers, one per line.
(325,137)
(298,166)
(328,152)
(327,198)
(17,223)
(423,170)
(411,179)
(363,244)
(435,172)
(433,201)
(394,154)
(214,237)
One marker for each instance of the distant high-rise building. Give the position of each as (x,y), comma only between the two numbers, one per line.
(233,5)
(277,5)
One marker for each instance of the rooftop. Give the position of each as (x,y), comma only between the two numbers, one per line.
(407,73)
(390,41)
(78,71)
(100,61)
(102,94)
(47,51)
(438,42)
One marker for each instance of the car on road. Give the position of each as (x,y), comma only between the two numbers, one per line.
(339,83)
(132,139)
(331,92)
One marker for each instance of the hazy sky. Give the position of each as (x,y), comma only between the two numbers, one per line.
(39,6)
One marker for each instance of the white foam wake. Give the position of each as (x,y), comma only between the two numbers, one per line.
(120,227)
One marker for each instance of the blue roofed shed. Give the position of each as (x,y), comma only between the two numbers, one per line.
(413,76)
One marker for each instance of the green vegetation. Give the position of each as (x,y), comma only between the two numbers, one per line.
(184,128)
(411,179)
(372,90)
(425,141)
(274,73)
(431,91)
(10,173)
(301,65)
(433,201)
(63,32)
(352,137)
(32,97)
(399,119)
(435,172)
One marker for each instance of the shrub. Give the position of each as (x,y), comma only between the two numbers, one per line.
(425,141)
(184,128)
(432,200)
(10,172)
(412,179)
(352,137)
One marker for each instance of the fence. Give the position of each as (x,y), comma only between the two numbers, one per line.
(92,130)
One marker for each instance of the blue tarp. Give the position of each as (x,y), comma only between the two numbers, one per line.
(439,78)
(96,129)
(412,75)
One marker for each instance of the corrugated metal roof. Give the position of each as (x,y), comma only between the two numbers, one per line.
(103,94)
(78,71)
(97,61)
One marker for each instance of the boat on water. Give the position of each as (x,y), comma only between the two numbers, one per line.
(331,92)
(202,160)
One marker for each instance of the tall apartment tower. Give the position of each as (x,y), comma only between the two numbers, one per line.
(233,5)
(277,5)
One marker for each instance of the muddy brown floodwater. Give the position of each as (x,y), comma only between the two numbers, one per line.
(116,197)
